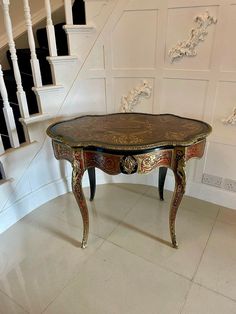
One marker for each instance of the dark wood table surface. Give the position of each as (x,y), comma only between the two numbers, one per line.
(129,143)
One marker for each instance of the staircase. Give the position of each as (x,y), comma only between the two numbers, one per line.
(33,90)
(24,55)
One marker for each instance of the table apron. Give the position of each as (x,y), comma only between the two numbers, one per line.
(113,163)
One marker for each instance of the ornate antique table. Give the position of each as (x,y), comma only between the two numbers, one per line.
(128,143)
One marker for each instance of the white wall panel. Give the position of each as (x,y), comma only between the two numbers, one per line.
(225,101)
(96,60)
(221,161)
(89,96)
(184,97)
(228,47)
(134,40)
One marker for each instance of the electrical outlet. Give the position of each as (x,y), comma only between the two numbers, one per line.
(211,180)
(229,185)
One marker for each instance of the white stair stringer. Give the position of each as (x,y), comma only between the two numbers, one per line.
(38,179)
(21,156)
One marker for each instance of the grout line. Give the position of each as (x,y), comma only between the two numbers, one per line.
(200,260)
(122,220)
(209,289)
(216,292)
(186,297)
(76,273)
(192,279)
(151,262)
(13,301)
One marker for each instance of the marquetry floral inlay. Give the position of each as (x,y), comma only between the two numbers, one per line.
(197,34)
(131,100)
(231,119)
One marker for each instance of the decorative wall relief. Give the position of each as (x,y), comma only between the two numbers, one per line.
(231,119)
(197,34)
(128,102)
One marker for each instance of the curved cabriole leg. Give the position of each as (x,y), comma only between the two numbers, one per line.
(92,182)
(161,181)
(77,175)
(180,183)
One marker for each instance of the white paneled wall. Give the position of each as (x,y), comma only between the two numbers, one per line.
(135,46)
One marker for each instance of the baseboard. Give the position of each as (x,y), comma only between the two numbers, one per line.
(28,203)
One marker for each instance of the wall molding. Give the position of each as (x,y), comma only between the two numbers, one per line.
(188,47)
(131,100)
(231,118)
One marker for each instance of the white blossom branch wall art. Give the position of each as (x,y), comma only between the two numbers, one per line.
(197,34)
(231,119)
(131,100)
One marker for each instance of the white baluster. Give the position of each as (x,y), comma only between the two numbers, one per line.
(68,12)
(20,92)
(8,113)
(34,61)
(50,30)
(2,150)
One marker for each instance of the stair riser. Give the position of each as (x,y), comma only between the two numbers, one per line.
(64,70)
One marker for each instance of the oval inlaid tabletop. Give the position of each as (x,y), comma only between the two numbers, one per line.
(129,131)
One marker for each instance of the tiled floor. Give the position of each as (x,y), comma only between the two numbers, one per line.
(129,266)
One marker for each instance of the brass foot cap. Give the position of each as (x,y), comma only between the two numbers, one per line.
(84,245)
(175,245)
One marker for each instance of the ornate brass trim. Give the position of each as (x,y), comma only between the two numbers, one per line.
(122,142)
(128,164)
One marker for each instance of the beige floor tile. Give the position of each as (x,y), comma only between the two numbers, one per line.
(110,201)
(188,203)
(145,232)
(114,281)
(217,269)
(153,192)
(7,306)
(201,300)
(41,263)
(227,215)
(199,207)
(38,257)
